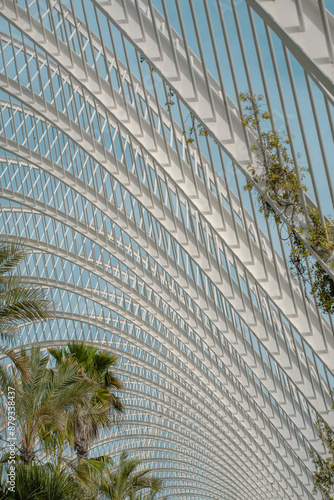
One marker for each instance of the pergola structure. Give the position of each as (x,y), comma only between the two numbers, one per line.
(123,161)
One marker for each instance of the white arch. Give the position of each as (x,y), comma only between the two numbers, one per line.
(135,188)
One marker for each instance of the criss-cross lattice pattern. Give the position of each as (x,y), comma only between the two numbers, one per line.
(122,166)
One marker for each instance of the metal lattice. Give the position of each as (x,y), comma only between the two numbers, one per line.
(147,241)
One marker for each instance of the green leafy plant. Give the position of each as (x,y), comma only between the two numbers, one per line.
(126,480)
(43,482)
(202,131)
(321,239)
(43,398)
(99,407)
(65,403)
(169,102)
(298,254)
(19,303)
(275,174)
(323,289)
(323,477)
(274,170)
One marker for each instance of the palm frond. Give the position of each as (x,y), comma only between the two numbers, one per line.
(37,482)
(54,440)
(87,420)
(105,397)
(104,360)
(64,405)
(112,381)
(124,482)
(8,332)
(67,386)
(10,257)
(6,379)
(24,303)
(58,354)
(82,352)
(19,361)
(90,472)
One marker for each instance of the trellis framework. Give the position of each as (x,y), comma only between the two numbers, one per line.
(122,166)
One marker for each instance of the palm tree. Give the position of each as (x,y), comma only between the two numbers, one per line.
(42,482)
(125,482)
(42,397)
(99,408)
(18,302)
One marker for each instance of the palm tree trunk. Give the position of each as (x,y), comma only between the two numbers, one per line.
(27,456)
(81,447)
(81,437)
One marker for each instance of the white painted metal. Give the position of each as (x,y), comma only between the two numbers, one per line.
(146,240)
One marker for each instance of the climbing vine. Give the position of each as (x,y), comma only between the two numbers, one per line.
(202,131)
(323,288)
(188,131)
(321,238)
(323,477)
(142,59)
(273,171)
(169,102)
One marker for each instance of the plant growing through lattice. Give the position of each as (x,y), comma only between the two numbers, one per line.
(275,173)
(323,476)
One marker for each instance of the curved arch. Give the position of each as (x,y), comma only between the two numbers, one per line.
(114,437)
(44,209)
(102,323)
(176,268)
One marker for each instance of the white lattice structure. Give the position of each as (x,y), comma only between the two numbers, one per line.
(147,241)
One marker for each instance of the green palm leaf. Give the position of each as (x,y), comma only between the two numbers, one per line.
(24,303)
(10,257)
(17,359)
(18,302)
(37,482)
(43,396)
(124,481)
(101,405)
